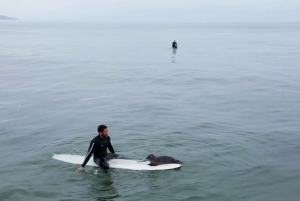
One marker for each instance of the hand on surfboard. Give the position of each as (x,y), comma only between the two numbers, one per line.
(80,169)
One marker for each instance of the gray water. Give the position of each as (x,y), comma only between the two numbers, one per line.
(226,103)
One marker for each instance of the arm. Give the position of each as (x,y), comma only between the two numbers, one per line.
(88,155)
(111,149)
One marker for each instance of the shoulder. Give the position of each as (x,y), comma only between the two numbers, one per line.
(95,139)
(108,138)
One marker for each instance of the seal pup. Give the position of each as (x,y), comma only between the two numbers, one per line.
(159,160)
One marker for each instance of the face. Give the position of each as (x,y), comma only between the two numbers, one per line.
(150,157)
(105,133)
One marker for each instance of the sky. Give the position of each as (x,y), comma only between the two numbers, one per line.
(153,11)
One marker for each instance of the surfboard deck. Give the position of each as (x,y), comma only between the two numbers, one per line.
(115,163)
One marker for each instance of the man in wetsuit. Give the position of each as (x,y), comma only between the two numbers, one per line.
(98,147)
(174,45)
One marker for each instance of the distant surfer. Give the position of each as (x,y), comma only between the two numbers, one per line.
(98,147)
(174,45)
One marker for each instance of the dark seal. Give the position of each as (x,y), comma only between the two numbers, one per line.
(159,160)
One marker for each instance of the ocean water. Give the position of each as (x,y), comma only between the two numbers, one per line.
(226,103)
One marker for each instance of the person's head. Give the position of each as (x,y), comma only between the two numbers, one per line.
(103,131)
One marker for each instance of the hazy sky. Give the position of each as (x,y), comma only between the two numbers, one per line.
(178,11)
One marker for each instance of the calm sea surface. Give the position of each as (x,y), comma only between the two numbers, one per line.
(226,103)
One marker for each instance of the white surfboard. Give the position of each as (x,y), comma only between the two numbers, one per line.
(115,163)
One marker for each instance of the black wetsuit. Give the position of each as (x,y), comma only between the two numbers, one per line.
(98,147)
(174,45)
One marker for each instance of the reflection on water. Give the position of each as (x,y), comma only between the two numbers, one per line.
(173,57)
(103,186)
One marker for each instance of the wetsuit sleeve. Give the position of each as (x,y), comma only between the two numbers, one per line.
(111,149)
(89,153)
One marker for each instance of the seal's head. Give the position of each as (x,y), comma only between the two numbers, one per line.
(151,158)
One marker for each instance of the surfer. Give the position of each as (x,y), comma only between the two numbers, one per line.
(174,45)
(98,147)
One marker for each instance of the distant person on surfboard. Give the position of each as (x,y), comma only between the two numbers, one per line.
(98,147)
(174,45)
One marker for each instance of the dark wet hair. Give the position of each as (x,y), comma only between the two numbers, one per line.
(101,128)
